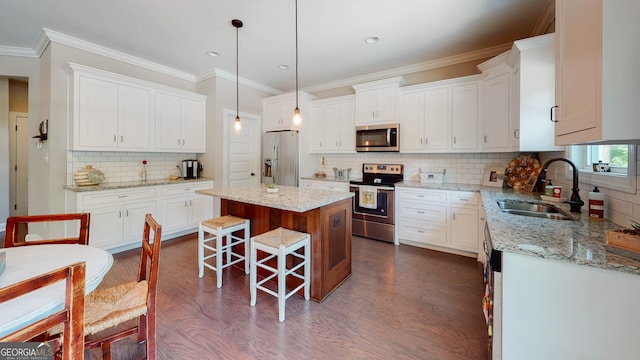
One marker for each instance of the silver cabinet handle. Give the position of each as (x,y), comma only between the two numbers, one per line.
(185,203)
(420,212)
(121,138)
(114,138)
(190,203)
(127,213)
(454,216)
(122,196)
(516,133)
(454,139)
(119,213)
(178,141)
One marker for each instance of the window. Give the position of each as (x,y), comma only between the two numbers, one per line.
(621,160)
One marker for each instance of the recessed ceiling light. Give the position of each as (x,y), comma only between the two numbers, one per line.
(371,39)
(283,67)
(213,53)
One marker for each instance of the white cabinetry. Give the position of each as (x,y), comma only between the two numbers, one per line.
(332,125)
(438,219)
(495,130)
(117,216)
(376,102)
(533,93)
(112,112)
(325,185)
(597,72)
(180,122)
(277,111)
(183,209)
(464,117)
(108,114)
(425,119)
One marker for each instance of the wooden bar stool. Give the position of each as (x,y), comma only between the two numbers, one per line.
(219,228)
(279,243)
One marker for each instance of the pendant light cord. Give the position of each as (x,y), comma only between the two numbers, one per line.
(296,54)
(237,76)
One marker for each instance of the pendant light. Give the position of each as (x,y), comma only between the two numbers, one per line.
(237,125)
(297,118)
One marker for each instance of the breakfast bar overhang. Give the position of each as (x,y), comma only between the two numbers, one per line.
(325,215)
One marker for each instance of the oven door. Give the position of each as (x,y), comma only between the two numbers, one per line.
(383,213)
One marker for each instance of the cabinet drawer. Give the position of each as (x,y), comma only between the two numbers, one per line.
(422,212)
(422,232)
(180,189)
(118,197)
(423,195)
(465,198)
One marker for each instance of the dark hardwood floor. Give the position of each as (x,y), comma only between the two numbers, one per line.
(401,302)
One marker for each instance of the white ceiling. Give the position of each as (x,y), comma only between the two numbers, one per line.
(178,34)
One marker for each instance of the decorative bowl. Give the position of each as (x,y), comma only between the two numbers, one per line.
(88,176)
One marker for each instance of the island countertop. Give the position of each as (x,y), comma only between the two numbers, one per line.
(287,198)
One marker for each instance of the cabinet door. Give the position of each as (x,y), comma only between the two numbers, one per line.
(134,118)
(436,119)
(106,226)
(464,116)
(193,125)
(97,113)
(168,124)
(134,218)
(201,208)
(366,107)
(347,126)
(496,113)
(578,65)
(386,105)
(277,115)
(413,121)
(465,228)
(332,128)
(316,127)
(423,232)
(175,214)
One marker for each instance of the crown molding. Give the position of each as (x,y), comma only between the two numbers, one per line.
(217,73)
(71,41)
(17,51)
(545,20)
(429,65)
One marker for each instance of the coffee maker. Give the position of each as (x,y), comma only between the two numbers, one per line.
(190,169)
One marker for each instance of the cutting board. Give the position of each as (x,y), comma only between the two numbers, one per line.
(522,172)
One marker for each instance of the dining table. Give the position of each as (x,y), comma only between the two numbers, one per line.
(25,262)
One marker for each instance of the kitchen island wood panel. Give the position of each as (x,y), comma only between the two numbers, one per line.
(328,222)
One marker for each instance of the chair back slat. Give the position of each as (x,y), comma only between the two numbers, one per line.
(12,233)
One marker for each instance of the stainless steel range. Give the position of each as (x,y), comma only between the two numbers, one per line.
(373,204)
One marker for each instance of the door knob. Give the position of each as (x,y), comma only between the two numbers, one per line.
(253,174)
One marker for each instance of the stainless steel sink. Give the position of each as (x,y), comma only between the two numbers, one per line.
(533,208)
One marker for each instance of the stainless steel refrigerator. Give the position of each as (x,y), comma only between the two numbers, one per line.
(280,157)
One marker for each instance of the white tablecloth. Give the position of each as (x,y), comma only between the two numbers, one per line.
(28,261)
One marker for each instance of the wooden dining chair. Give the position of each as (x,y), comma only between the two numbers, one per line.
(106,309)
(15,232)
(70,319)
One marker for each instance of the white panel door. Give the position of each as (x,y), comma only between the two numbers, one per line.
(243,151)
(18,164)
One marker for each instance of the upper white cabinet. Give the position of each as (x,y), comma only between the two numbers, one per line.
(332,125)
(109,115)
(597,73)
(112,112)
(425,119)
(533,93)
(495,120)
(277,111)
(440,116)
(464,117)
(180,123)
(376,102)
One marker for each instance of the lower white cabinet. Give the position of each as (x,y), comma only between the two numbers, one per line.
(325,185)
(438,219)
(182,208)
(117,216)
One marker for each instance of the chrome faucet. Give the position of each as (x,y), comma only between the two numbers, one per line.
(575,202)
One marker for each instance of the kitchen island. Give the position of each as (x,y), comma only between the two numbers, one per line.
(325,215)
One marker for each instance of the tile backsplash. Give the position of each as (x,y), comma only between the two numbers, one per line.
(467,168)
(126,166)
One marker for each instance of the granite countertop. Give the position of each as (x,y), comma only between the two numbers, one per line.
(132,184)
(581,241)
(287,198)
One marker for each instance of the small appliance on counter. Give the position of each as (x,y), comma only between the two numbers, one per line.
(190,169)
(341,174)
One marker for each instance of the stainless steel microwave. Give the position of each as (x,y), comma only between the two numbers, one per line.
(377,138)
